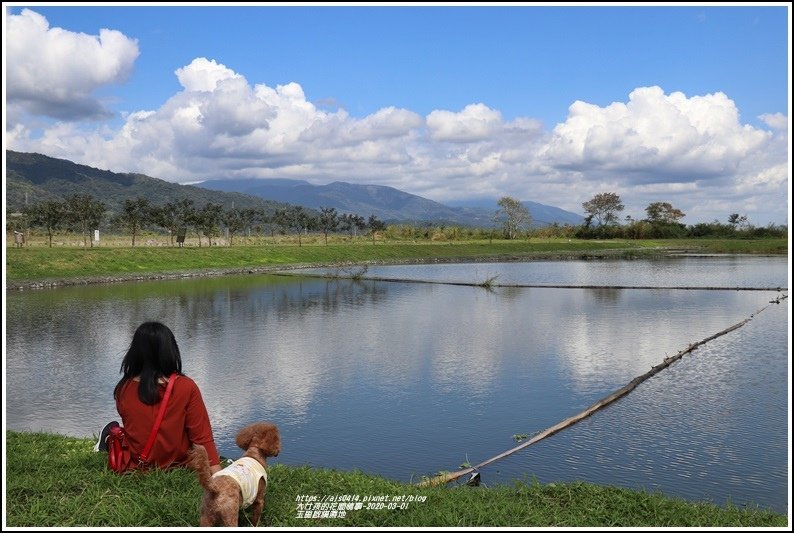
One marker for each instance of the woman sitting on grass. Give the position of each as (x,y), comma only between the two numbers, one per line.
(152,357)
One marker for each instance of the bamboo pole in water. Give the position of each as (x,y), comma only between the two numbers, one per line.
(603,402)
(491,284)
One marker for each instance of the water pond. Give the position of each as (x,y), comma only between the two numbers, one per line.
(408,379)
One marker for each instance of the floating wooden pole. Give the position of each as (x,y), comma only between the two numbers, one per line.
(490,284)
(603,402)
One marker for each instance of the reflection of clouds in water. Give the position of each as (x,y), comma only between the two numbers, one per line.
(248,355)
(261,348)
(66,353)
(469,347)
(618,335)
(389,377)
(710,427)
(723,270)
(265,368)
(326,335)
(270,349)
(275,347)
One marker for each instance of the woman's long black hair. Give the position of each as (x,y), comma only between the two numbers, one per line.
(153,354)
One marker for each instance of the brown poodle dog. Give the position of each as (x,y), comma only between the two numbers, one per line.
(240,484)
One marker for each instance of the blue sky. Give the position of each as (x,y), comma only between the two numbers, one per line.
(555,104)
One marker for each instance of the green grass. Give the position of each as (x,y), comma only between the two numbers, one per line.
(41,263)
(56,481)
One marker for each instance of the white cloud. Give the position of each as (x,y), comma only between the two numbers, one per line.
(387,122)
(53,72)
(477,122)
(691,151)
(773,178)
(777,121)
(203,74)
(655,137)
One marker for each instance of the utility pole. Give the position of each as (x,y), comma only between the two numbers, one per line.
(27,226)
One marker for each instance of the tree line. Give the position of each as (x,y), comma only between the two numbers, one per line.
(662,221)
(602,221)
(82,213)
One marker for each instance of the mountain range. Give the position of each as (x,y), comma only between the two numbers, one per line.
(32,177)
(387,203)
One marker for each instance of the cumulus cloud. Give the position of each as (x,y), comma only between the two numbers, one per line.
(476,122)
(771,178)
(655,137)
(777,121)
(689,150)
(220,125)
(53,72)
(203,74)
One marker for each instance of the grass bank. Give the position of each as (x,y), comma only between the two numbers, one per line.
(56,481)
(64,265)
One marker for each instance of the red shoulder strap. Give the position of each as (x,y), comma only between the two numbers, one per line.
(144,457)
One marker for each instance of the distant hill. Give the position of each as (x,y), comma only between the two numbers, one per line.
(38,178)
(34,178)
(542,214)
(386,203)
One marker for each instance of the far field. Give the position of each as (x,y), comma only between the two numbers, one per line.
(114,258)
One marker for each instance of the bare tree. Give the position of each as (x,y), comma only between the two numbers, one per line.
(328,221)
(84,213)
(514,216)
(375,225)
(296,218)
(235,221)
(737,220)
(208,221)
(351,223)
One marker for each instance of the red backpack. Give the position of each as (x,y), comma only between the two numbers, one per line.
(121,458)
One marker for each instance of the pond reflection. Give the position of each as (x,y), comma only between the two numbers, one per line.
(405,379)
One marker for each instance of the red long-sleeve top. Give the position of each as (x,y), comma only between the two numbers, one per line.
(185,422)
